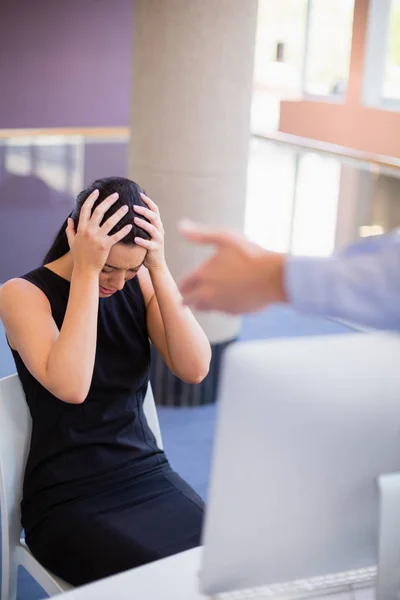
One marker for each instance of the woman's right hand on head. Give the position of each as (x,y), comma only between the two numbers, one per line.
(91,243)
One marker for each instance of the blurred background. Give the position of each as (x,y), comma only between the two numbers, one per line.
(280,119)
(324,133)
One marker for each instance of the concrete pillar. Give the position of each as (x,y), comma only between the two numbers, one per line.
(190,120)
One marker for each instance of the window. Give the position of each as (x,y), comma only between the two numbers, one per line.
(391,84)
(328,47)
(315,205)
(278,61)
(292,199)
(302,50)
(284,22)
(382,58)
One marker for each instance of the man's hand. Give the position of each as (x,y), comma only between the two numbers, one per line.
(240,277)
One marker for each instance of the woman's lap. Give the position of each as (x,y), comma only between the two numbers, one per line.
(154,517)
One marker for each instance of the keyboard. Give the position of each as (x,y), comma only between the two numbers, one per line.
(308,588)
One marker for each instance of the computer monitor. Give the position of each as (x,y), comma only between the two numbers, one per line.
(305,427)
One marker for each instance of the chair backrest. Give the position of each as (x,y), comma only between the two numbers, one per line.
(150,411)
(15,429)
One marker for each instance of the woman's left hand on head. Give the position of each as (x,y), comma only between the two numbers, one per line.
(155,257)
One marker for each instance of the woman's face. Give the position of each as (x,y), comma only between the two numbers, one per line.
(123,263)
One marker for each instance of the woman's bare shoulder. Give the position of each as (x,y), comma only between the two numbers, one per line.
(18,291)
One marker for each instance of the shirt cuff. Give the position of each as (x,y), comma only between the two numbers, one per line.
(308,283)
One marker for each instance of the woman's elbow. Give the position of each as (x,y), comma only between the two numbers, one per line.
(68,389)
(74,399)
(197,375)
(204,367)
(70,396)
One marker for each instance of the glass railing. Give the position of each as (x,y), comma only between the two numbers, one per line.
(302,197)
(40,176)
(311,198)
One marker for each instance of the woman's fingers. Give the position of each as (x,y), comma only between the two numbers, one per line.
(150,215)
(86,210)
(117,237)
(149,227)
(152,205)
(114,219)
(148,244)
(70,231)
(149,221)
(101,209)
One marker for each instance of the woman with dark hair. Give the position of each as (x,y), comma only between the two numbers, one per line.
(99,496)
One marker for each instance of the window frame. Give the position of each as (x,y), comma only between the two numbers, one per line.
(337,99)
(376,50)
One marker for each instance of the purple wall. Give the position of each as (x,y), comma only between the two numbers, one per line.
(65,63)
(105,160)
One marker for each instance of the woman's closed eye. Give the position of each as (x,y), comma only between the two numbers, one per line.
(108,271)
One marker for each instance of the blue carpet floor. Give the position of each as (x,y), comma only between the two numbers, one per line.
(188,432)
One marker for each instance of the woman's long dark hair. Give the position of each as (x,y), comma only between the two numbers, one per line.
(129,193)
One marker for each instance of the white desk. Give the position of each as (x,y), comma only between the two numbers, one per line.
(174,578)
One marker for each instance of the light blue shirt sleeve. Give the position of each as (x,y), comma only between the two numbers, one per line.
(360,284)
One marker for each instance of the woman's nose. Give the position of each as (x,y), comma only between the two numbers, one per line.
(119,281)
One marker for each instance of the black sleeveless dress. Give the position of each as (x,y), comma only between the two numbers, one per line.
(99,496)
